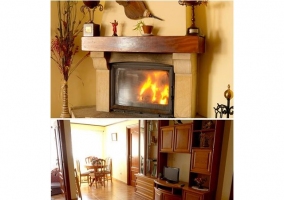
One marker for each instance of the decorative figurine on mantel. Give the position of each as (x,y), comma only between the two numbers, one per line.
(114,29)
(136,10)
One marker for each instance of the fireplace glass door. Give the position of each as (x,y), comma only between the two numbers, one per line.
(142,88)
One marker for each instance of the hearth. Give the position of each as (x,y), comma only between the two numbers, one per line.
(178,52)
(142,87)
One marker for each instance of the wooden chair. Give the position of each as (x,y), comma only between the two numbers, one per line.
(99,174)
(78,189)
(82,174)
(108,170)
(89,159)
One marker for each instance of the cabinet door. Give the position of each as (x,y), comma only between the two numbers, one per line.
(182,141)
(201,160)
(158,194)
(192,196)
(171,197)
(167,138)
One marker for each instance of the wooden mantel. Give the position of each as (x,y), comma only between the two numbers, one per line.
(149,44)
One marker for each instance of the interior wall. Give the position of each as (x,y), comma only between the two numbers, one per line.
(114,11)
(215,66)
(117,149)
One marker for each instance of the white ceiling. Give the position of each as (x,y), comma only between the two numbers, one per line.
(97,121)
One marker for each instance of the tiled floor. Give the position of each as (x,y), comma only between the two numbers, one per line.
(112,191)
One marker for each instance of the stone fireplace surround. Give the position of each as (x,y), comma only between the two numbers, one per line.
(178,51)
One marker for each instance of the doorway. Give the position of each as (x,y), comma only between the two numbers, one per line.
(133,153)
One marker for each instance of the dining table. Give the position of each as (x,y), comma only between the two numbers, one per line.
(95,168)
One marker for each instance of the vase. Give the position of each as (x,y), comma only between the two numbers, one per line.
(65,109)
(200,186)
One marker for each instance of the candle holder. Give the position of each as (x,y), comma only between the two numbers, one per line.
(225,109)
(90,28)
(192,30)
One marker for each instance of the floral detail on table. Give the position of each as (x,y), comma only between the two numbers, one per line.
(64,48)
(200,181)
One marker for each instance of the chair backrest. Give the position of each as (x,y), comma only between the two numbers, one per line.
(78,167)
(108,164)
(89,159)
(101,163)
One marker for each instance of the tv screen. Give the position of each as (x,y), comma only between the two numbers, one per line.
(171,174)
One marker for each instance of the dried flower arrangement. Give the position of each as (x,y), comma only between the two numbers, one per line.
(63,47)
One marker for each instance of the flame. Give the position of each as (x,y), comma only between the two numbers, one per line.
(155,89)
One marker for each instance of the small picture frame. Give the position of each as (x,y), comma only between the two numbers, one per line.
(114,137)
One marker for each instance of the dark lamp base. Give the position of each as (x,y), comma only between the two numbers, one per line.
(192,31)
(91,29)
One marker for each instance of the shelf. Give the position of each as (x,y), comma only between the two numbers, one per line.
(153,44)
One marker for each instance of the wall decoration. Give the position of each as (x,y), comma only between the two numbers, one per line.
(136,10)
(114,136)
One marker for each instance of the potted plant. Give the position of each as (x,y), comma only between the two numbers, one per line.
(147,29)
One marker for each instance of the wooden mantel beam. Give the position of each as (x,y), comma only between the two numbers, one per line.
(149,44)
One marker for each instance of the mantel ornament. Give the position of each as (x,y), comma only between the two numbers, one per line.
(136,10)
(90,28)
(192,30)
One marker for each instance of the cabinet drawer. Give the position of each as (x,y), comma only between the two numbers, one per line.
(142,197)
(144,185)
(144,192)
(145,179)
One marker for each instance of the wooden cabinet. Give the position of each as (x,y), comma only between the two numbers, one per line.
(144,188)
(206,148)
(159,141)
(149,157)
(176,138)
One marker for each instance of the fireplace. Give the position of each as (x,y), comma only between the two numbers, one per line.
(179,53)
(142,87)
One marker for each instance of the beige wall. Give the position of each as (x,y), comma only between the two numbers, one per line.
(215,70)
(117,149)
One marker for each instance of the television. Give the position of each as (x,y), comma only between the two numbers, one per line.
(171,174)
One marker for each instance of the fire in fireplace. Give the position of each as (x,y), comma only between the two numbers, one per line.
(142,87)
